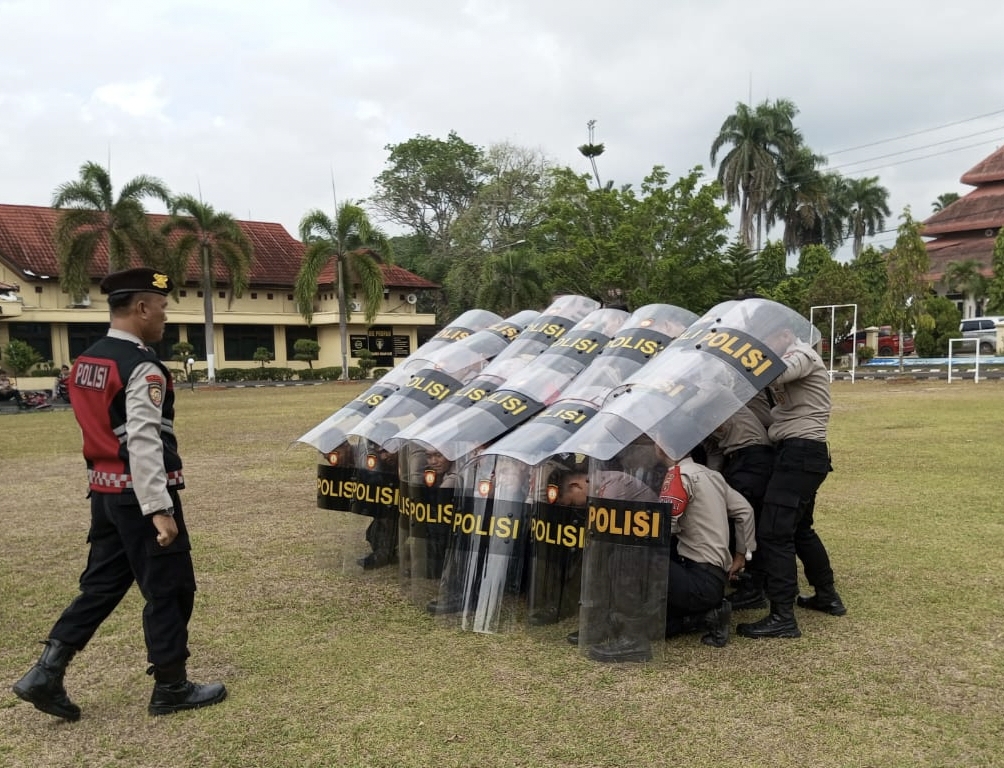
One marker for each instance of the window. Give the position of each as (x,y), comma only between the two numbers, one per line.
(296,332)
(82,335)
(38,336)
(197,338)
(254,295)
(241,341)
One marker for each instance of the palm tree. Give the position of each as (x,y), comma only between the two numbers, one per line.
(512,280)
(809,203)
(592,151)
(868,205)
(92,215)
(215,239)
(357,247)
(966,278)
(760,138)
(944,200)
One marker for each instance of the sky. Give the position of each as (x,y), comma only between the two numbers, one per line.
(262,107)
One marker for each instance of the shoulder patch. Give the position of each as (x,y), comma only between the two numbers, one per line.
(155,389)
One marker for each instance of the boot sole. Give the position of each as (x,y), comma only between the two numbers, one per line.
(72,716)
(170,710)
(829,611)
(787,634)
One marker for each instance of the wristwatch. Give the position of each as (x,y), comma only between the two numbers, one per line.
(169,512)
(749,555)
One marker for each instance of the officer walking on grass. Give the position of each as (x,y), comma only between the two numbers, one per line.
(123,399)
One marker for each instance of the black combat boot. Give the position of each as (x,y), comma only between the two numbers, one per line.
(173,692)
(573,637)
(43,685)
(684,625)
(826,600)
(780,622)
(749,593)
(631,643)
(718,621)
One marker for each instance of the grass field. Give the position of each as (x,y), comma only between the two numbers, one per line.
(329,666)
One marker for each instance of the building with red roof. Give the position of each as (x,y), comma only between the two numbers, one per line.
(966,229)
(35,309)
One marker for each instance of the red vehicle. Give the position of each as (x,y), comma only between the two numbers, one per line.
(887,346)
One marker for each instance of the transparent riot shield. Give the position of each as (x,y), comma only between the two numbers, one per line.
(679,398)
(625,559)
(557,537)
(537,336)
(527,391)
(443,373)
(645,334)
(360,478)
(334,430)
(483,573)
(428,485)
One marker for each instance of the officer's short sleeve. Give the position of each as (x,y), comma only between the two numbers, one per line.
(145,392)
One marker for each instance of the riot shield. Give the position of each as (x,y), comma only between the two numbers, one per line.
(679,398)
(648,331)
(484,565)
(625,558)
(527,391)
(360,478)
(444,372)
(551,325)
(333,431)
(557,537)
(428,485)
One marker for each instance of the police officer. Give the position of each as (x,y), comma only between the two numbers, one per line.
(123,400)
(748,459)
(800,416)
(702,506)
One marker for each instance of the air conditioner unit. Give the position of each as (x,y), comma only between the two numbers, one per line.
(411,298)
(83,301)
(356,306)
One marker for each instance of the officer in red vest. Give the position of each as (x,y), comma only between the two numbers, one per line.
(123,399)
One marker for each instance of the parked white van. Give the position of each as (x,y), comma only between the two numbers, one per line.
(984,329)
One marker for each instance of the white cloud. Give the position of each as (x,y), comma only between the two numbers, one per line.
(138,99)
(261,106)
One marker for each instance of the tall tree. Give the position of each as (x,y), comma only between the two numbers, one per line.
(92,215)
(508,204)
(592,151)
(759,138)
(357,248)
(513,280)
(740,271)
(944,200)
(427,184)
(213,242)
(966,277)
(868,205)
(908,262)
(802,201)
(772,266)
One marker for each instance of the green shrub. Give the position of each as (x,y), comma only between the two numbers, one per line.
(20,357)
(865,353)
(379,373)
(356,373)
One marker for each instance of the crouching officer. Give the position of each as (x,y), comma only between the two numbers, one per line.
(123,400)
(701,507)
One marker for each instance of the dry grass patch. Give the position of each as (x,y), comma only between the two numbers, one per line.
(330,666)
